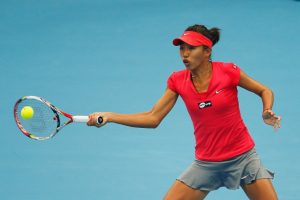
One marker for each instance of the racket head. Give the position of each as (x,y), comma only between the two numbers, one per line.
(44,123)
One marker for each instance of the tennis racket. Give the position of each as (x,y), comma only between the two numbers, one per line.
(46,119)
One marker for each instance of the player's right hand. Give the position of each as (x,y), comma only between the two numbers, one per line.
(93,119)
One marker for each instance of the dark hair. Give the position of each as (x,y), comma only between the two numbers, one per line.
(213,34)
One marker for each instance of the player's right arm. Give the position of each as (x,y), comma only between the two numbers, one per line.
(150,119)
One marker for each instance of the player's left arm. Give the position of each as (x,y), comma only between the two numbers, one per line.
(266,95)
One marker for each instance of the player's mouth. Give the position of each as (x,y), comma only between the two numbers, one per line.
(186,62)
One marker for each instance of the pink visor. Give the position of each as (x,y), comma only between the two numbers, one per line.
(194,39)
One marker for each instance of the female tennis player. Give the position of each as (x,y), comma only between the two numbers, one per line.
(225,152)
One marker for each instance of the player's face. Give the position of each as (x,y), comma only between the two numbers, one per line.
(193,57)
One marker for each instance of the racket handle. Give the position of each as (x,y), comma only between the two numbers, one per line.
(80,118)
(86,119)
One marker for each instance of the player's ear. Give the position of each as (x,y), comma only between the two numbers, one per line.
(207,51)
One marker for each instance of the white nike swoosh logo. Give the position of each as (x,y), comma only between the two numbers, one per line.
(218,91)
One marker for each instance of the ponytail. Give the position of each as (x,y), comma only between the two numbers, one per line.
(215,35)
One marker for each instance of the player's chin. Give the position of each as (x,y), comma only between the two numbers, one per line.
(189,66)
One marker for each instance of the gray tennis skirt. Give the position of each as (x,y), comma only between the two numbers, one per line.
(232,173)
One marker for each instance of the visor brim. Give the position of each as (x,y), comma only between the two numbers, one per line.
(179,41)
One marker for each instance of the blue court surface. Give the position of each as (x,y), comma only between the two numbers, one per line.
(114,55)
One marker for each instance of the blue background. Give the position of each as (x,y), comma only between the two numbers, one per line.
(114,55)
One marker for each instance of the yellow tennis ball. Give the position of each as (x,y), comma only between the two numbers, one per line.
(27,112)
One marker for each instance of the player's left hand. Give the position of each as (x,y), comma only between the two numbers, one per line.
(271,118)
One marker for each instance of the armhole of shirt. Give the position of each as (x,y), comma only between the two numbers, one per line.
(234,73)
(171,83)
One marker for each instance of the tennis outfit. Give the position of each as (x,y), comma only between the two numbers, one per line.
(224,150)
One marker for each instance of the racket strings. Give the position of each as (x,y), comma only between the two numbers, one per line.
(43,122)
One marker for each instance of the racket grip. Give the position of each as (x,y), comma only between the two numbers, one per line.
(99,120)
(80,118)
